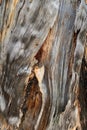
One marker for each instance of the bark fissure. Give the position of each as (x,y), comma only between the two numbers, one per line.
(19,12)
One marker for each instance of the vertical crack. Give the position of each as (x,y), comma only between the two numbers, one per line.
(83,93)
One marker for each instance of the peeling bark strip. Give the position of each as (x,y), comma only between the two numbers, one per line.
(43,65)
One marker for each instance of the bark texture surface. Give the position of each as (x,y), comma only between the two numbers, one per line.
(43,64)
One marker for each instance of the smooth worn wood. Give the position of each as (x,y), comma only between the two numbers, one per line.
(43,64)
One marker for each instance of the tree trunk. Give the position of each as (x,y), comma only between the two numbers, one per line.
(43,64)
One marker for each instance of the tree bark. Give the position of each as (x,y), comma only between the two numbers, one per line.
(43,64)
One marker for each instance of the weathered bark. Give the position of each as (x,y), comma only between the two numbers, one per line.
(43,64)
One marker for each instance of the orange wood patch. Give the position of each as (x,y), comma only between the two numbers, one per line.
(86,1)
(10,19)
(43,53)
(0,1)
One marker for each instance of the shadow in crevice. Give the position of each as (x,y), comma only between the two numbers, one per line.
(83,94)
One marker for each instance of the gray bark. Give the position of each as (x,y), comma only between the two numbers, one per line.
(43,64)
